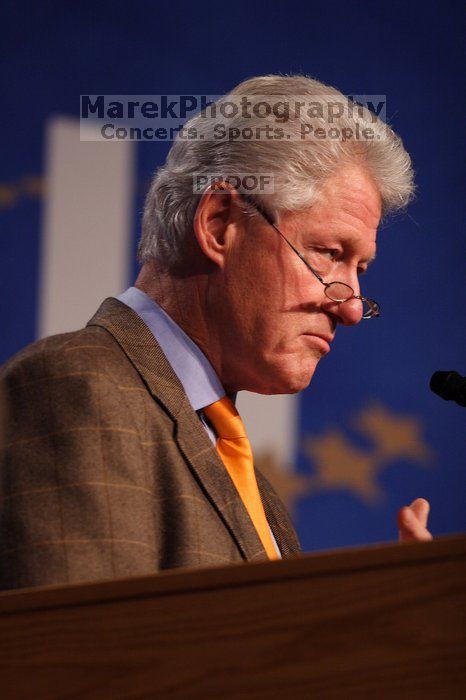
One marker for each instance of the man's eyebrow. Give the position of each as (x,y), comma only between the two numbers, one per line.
(370,260)
(345,242)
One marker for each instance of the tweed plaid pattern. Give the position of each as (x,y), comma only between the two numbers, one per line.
(106,470)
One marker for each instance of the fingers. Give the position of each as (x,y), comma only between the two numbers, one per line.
(421,508)
(412,522)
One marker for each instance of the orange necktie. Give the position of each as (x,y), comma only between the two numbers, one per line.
(235,452)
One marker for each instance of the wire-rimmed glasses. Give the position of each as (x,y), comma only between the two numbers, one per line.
(336,291)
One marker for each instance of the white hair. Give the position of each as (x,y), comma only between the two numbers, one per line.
(299,166)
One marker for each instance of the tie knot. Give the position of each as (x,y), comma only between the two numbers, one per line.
(225,419)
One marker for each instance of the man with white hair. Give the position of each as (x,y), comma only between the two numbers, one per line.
(124,453)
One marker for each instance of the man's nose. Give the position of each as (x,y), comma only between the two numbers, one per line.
(349,312)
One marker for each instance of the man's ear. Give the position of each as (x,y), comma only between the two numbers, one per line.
(214,221)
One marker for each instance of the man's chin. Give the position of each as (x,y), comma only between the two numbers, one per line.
(289,382)
(298,385)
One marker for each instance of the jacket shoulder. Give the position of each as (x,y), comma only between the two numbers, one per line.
(76,351)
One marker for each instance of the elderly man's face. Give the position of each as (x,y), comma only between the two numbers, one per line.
(275,321)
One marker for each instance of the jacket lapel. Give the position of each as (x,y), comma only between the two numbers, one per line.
(278,518)
(143,351)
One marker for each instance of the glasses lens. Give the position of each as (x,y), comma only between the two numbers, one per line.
(370,308)
(339,291)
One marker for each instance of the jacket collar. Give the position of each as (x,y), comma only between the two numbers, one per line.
(143,351)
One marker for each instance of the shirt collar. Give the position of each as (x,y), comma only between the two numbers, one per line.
(189,363)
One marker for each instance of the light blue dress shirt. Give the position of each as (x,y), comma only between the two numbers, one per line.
(193,369)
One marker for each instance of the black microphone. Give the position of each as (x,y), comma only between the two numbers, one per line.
(451,386)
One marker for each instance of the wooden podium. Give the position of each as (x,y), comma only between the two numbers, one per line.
(377,622)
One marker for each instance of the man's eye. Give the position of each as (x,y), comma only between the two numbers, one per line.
(329,253)
(322,258)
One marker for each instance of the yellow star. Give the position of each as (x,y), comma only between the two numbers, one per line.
(394,436)
(8,195)
(340,465)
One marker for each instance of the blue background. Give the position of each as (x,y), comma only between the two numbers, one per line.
(411,52)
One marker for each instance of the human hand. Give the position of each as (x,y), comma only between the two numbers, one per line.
(412,522)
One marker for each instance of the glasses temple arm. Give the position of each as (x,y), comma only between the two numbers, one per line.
(300,255)
(268,219)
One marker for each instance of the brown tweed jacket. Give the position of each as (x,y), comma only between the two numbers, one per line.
(106,470)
